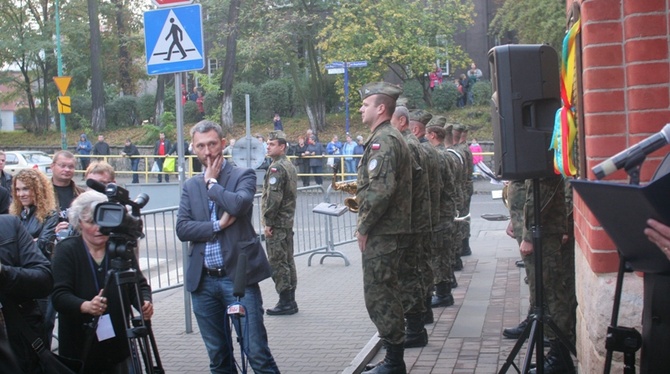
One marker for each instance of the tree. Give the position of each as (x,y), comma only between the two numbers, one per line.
(532,21)
(403,37)
(232,30)
(97,91)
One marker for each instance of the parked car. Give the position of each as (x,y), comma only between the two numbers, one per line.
(19,160)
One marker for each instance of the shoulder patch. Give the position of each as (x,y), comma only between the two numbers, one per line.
(273,180)
(376,146)
(372,164)
(273,170)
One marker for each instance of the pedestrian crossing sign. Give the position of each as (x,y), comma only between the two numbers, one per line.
(173,39)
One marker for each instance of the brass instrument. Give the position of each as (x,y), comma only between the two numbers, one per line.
(348,187)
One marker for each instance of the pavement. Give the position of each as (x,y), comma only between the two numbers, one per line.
(332,332)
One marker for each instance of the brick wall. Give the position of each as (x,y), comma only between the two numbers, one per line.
(626,98)
(626,71)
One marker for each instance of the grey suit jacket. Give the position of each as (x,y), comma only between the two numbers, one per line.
(233,194)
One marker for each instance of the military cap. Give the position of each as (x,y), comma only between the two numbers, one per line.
(438,121)
(382,88)
(277,135)
(401,102)
(420,115)
(448,126)
(459,127)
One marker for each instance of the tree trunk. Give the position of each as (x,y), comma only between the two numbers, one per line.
(97,91)
(125,78)
(159,103)
(229,66)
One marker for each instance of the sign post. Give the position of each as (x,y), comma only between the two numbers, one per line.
(339,67)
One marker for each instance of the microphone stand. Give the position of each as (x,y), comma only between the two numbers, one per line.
(237,310)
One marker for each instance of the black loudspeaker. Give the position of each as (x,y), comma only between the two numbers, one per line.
(526,95)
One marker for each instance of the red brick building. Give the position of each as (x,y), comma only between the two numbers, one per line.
(625,97)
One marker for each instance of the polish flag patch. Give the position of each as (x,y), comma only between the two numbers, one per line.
(376,146)
(274,170)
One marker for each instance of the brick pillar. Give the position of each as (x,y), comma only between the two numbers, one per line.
(626,73)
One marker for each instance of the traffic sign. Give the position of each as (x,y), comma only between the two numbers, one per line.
(336,71)
(335,65)
(173,39)
(64,105)
(62,83)
(357,64)
(168,3)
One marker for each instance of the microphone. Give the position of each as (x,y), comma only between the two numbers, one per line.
(94,184)
(240,276)
(640,149)
(141,200)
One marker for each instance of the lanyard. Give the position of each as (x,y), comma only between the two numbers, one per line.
(93,266)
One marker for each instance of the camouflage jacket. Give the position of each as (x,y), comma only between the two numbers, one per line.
(516,198)
(457,162)
(384,184)
(448,193)
(280,190)
(420,184)
(553,214)
(435,180)
(465,150)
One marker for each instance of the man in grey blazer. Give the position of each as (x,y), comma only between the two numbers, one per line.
(215,217)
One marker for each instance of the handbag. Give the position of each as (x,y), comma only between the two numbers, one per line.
(155,168)
(168,164)
(51,362)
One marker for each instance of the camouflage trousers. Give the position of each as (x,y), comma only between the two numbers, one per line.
(426,264)
(558,302)
(442,254)
(280,255)
(381,290)
(410,273)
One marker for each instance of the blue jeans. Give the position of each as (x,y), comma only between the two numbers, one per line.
(210,302)
(350,167)
(134,163)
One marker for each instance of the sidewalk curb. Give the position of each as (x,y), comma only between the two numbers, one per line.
(364,356)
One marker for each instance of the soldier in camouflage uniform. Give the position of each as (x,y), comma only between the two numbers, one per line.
(463,183)
(280,191)
(557,301)
(418,119)
(384,181)
(457,160)
(442,260)
(464,226)
(413,261)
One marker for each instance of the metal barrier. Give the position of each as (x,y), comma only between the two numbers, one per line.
(162,260)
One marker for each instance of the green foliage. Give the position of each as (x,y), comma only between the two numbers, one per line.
(531,21)
(22,116)
(413,91)
(212,105)
(445,97)
(406,37)
(191,114)
(122,112)
(275,96)
(482,92)
(81,112)
(146,106)
(152,131)
(239,91)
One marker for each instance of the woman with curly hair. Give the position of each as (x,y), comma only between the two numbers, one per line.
(34,202)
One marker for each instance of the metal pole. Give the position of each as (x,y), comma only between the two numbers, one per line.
(346,95)
(180,151)
(63,134)
(247,108)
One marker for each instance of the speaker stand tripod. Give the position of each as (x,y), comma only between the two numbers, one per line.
(534,331)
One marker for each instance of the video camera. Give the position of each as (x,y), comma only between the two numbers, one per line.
(113,218)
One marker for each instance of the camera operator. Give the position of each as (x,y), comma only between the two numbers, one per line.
(24,277)
(80,266)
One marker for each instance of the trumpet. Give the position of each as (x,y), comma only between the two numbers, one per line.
(349,187)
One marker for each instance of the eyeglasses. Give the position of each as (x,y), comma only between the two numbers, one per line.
(66,166)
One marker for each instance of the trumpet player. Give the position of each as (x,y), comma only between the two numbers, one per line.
(384,179)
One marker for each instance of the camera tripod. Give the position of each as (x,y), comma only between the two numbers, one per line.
(534,331)
(123,280)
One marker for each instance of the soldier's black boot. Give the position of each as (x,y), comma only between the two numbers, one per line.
(557,360)
(453,283)
(443,296)
(284,305)
(465,248)
(415,334)
(428,317)
(459,264)
(393,363)
(515,332)
(293,303)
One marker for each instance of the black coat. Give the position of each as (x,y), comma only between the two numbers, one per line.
(75,283)
(44,232)
(25,276)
